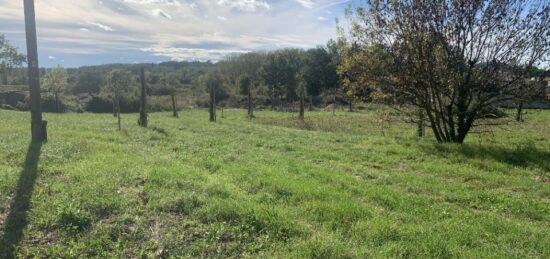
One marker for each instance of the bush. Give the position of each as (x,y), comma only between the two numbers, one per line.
(100,104)
(49,105)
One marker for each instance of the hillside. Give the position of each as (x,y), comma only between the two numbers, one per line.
(330,187)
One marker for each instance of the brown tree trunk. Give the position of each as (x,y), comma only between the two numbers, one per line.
(420,130)
(519,114)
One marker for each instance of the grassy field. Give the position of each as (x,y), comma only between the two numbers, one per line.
(332,187)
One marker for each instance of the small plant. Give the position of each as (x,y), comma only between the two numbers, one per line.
(74,220)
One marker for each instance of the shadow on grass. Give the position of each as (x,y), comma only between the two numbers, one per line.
(525,155)
(20,205)
(160,131)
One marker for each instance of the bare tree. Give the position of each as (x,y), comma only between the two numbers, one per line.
(454,60)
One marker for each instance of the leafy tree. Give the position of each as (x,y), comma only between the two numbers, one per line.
(55,82)
(279,71)
(88,81)
(450,59)
(9,58)
(119,83)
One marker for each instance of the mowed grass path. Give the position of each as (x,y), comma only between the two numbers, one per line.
(332,187)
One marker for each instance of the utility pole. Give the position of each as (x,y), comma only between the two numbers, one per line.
(38,126)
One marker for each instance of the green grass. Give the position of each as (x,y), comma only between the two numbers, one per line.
(332,187)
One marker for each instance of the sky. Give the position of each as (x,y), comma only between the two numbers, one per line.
(74,33)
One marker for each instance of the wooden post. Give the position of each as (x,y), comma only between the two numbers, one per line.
(38,127)
(212,103)
(143,111)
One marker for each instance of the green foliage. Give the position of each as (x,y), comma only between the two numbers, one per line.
(119,83)
(245,85)
(55,80)
(265,189)
(9,58)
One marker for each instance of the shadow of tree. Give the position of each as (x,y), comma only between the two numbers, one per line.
(524,155)
(160,131)
(20,205)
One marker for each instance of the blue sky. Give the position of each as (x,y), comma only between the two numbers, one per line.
(89,32)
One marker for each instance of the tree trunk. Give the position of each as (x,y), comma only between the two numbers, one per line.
(223,116)
(310,108)
(143,112)
(519,115)
(350,105)
(38,126)
(174,106)
(302,104)
(420,130)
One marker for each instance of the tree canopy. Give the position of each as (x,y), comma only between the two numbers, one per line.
(454,60)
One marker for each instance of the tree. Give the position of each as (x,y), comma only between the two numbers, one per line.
(55,82)
(9,58)
(245,86)
(450,59)
(119,83)
(529,88)
(88,81)
(279,71)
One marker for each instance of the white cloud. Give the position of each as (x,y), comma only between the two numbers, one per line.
(322,18)
(161,13)
(191,27)
(193,54)
(51,57)
(306,3)
(245,5)
(102,26)
(159,2)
